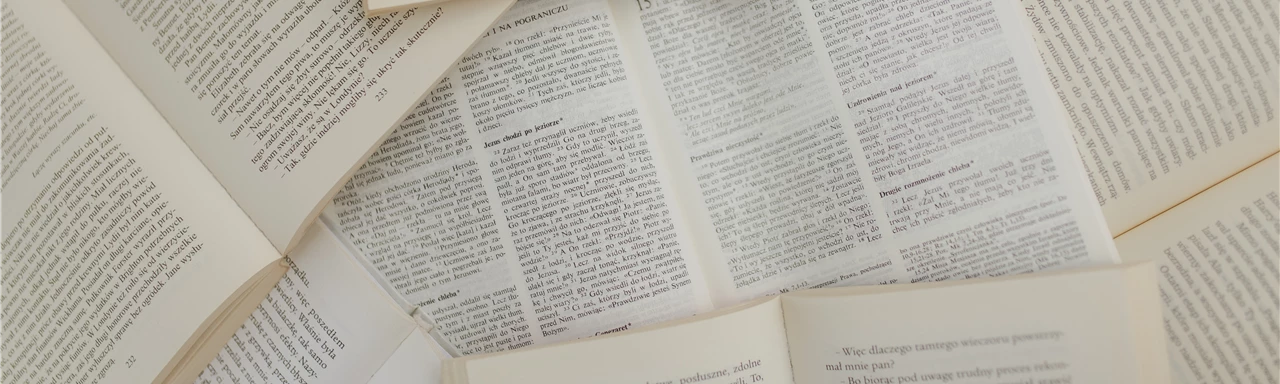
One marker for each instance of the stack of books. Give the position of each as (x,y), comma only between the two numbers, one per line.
(640,191)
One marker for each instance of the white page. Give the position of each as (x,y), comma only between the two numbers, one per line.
(1164,98)
(1219,255)
(417,360)
(118,244)
(1095,326)
(821,147)
(524,201)
(325,322)
(282,100)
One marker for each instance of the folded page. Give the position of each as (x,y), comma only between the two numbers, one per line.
(325,322)
(417,360)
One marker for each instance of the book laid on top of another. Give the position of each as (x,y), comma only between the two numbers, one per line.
(554,186)
(1096,325)
(1219,267)
(161,157)
(1179,127)
(592,164)
(458,219)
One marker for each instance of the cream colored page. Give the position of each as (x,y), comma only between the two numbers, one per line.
(748,345)
(117,243)
(1164,98)
(1218,258)
(325,322)
(417,360)
(1081,327)
(281,100)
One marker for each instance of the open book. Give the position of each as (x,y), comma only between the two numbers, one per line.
(592,166)
(160,157)
(1100,325)
(439,219)
(442,233)
(548,189)
(1174,110)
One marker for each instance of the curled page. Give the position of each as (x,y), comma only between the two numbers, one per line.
(282,100)
(382,7)
(120,249)
(325,322)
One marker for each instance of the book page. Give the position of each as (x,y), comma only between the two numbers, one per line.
(417,360)
(281,100)
(524,201)
(1164,99)
(838,142)
(118,245)
(325,322)
(379,7)
(1099,325)
(738,345)
(1219,276)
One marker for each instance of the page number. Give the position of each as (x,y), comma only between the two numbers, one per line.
(644,4)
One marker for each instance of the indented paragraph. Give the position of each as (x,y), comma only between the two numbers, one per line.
(1018,358)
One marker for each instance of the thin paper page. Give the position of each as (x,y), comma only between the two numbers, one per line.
(524,201)
(118,244)
(1164,98)
(746,344)
(833,142)
(1098,326)
(325,322)
(1218,258)
(281,100)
